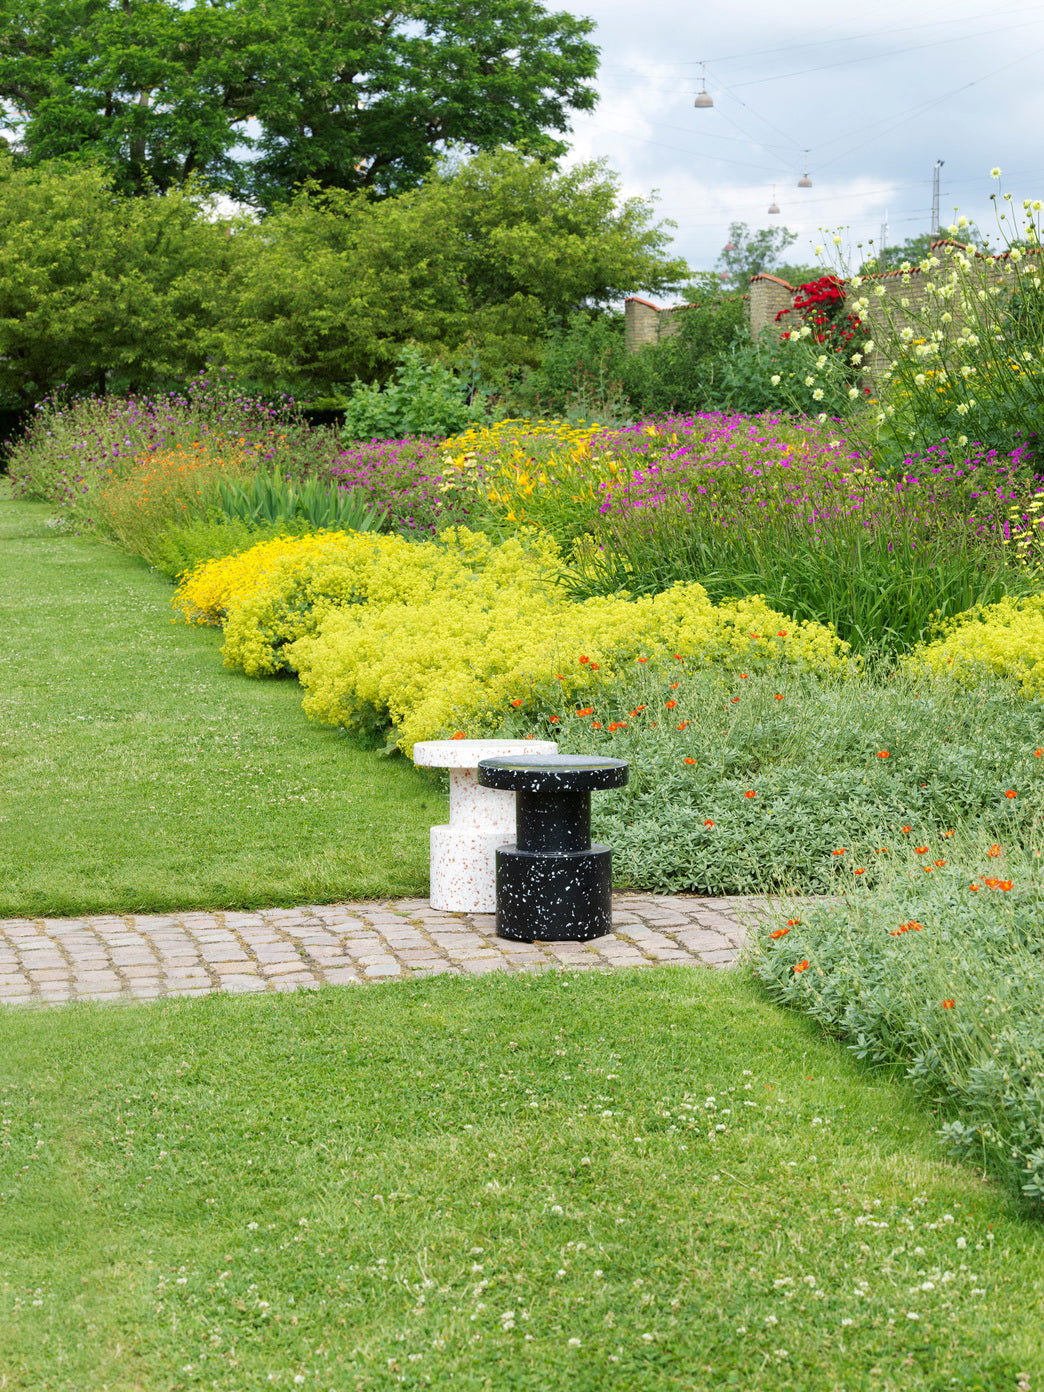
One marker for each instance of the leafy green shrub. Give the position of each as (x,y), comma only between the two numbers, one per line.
(424,398)
(683,371)
(942,975)
(754,377)
(271,499)
(582,365)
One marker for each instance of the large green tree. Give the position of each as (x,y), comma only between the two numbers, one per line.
(257,96)
(101,291)
(485,258)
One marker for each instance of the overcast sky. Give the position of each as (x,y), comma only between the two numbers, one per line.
(876,94)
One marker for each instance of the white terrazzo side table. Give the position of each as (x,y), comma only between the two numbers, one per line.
(464,854)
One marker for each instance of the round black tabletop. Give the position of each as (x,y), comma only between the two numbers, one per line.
(555,773)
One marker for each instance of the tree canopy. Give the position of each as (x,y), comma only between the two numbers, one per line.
(100,291)
(748,253)
(257,96)
(484,258)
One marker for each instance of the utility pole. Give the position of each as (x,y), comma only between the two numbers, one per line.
(935,198)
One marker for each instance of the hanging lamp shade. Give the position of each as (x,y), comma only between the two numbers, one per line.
(773,206)
(805,181)
(703,97)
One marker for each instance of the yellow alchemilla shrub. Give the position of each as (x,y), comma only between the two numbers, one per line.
(277,592)
(205,594)
(1006,638)
(462,657)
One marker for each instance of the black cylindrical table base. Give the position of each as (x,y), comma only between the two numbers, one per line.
(554,898)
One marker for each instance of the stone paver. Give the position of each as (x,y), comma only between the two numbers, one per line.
(145,957)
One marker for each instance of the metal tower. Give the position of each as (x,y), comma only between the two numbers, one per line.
(935,197)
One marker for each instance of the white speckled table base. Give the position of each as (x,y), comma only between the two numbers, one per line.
(463,854)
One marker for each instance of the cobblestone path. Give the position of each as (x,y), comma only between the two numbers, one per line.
(146,956)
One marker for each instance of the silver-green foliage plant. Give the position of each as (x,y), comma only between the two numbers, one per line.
(749,781)
(270,499)
(940,973)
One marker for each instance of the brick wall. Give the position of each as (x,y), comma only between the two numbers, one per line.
(645,323)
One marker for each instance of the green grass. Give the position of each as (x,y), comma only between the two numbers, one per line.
(136,774)
(352,1188)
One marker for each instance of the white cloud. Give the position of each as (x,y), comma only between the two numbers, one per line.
(896,88)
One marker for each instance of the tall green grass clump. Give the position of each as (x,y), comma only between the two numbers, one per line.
(269,500)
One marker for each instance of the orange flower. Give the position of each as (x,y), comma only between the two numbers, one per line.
(779,697)
(643,659)
(743,676)
(882,753)
(793,923)
(460,735)
(584,658)
(939,864)
(678,657)
(587,710)
(749,794)
(994,851)
(708,822)
(801,966)
(517,701)
(1010,793)
(920,850)
(1039,753)
(782,633)
(947,833)
(559,676)
(860,871)
(949,1003)
(688,759)
(779,933)
(675,686)
(840,852)
(553,719)
(596,724)
(594,666)
(734,700)
(904,829)
(973,885)
(912,927)
(684,725)
(998,884)
(671,705)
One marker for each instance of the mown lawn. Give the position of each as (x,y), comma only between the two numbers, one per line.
(650,1180)
(136,774)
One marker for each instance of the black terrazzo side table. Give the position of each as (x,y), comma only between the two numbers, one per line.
(553,885)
